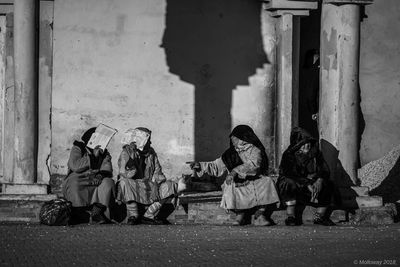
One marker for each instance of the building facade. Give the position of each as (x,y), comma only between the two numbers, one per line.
(190,71)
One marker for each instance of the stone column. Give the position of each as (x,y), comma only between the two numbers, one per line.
(339,88)
(25,101)
(288,47)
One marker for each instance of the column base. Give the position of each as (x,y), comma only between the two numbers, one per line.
(25,189)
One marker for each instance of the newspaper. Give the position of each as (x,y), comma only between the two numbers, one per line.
(101,137)
(136,136)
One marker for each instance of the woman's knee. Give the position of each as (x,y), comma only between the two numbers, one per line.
(72,184)
(122,182)
(287,184)
(107,183)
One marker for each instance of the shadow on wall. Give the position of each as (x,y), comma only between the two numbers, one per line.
(361,125)
(214,45)
(338,174)
(389,189)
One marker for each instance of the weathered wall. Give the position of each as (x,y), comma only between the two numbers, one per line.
(44,92)
(171,66)
(380,79)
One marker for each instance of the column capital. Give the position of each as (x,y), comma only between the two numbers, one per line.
(295,8)
(346,2)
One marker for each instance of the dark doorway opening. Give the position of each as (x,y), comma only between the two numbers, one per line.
(310,28)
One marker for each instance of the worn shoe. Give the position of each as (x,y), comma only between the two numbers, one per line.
(291,221)
(132,220)
(324,221)
(263,221)
(240,219)
(150,221)
(96,214)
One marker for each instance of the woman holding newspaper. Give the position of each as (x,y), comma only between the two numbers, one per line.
(89,184)
(142,184)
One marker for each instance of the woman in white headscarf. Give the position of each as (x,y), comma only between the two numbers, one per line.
(142,182)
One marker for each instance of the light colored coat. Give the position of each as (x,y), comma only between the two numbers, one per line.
(253,190)
(144,186)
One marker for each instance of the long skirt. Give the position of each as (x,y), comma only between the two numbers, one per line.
(144,191)
(255,193)
(81,194)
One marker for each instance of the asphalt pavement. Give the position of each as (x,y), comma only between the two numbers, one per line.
(198,245)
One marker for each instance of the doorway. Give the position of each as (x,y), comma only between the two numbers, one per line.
(310,28)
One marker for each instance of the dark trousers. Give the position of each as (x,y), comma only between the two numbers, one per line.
(291,190)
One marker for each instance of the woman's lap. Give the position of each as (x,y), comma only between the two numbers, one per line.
(257,192)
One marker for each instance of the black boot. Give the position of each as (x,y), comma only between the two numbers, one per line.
(133,220)
(323,220)
(96,213)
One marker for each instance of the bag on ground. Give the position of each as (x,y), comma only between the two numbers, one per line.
(56,212)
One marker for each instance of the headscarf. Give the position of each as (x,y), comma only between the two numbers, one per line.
(299,137)
(83,147)
(140,135)
(295,164)
(87,135)
(245,133)
(85,139)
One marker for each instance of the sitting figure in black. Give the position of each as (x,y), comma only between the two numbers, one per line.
(304,179)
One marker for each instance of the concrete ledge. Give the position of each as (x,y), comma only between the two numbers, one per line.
(212,213)
(31,197)
(22,208)
(362,202)
(344,2)
(375,216)
(28,189)
(203,208)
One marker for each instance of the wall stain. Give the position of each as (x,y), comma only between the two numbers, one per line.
(114,37)
(46,44)
(330,44)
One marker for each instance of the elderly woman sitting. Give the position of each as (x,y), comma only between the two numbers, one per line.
(89,184)
(246,185)
(304,179)
(142,183)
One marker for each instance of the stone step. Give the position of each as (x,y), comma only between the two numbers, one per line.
(363,202)
(212,213)
(22,208)
(203,208)
(382,215)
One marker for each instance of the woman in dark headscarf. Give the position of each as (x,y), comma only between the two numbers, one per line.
(304,178)
(246,185)
(89,182)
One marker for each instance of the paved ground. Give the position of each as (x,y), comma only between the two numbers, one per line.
(191,245)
